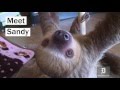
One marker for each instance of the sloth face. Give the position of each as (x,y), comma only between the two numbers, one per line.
(59,54)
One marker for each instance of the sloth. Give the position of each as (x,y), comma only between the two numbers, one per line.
(63,54)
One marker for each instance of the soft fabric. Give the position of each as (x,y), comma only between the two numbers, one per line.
(12,58)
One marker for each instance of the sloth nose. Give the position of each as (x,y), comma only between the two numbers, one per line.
(61,35)
(62,38)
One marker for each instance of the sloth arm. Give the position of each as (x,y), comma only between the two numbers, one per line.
(48,22)
(105,35)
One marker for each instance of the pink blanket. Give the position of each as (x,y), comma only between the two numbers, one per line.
(12,58)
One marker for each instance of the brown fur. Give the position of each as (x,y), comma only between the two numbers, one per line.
(88,50)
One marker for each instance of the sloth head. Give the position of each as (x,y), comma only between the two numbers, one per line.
(58,54)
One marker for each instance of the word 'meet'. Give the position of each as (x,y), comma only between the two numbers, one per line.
(21,20)
(16,32)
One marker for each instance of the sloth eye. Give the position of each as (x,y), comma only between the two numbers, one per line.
(69,53)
